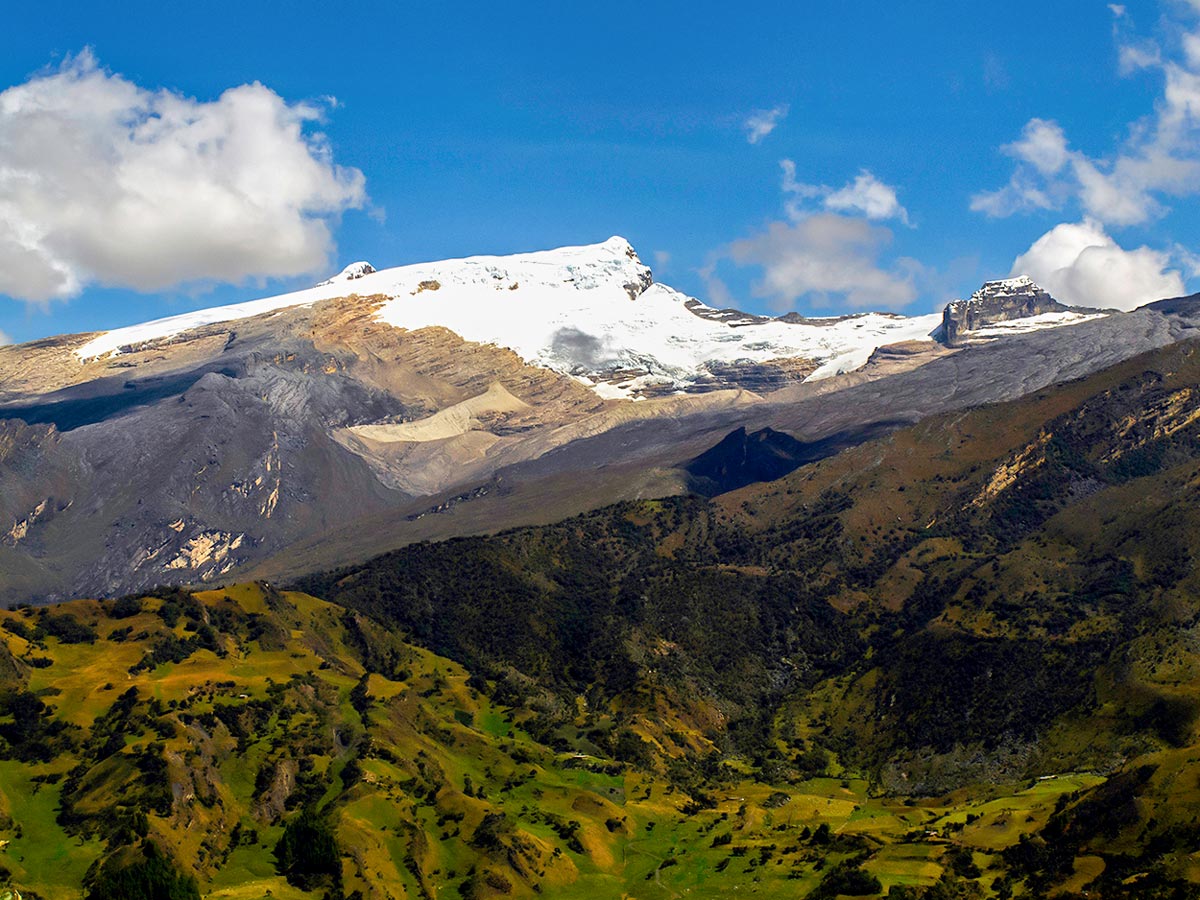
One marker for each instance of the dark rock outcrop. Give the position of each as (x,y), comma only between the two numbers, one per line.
(996,301)
(742,458)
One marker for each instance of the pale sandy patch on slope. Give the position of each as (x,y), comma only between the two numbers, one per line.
(446,423)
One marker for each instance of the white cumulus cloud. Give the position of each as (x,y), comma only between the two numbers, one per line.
(103,181)
(1081,265)
(1042,151)
(1137,55)
(762,122)
(1021,194)
(4,339)
(865,195)
(825,257)
(1159,160)
(1191,49)
(1043,145)
(830,252)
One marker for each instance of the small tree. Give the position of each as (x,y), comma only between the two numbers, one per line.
(307,853)
(154,877)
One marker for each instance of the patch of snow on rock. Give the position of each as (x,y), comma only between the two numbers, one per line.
(350,273)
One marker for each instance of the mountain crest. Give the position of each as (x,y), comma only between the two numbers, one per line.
(997,301)
(350,273)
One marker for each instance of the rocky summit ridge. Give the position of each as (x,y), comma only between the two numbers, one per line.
(1005,300)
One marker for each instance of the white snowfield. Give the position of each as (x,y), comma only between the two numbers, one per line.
(584,311)
(1032,323)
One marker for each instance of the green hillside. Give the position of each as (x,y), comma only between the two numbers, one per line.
(223,739)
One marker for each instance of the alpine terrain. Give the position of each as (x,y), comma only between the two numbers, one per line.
(506,577)
(832,535)
(382,408)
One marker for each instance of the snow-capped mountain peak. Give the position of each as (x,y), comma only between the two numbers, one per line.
(595,312)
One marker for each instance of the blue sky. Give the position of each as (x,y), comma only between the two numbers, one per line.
(904,152)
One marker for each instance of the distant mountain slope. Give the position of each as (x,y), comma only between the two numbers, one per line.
(1011,525)
(322,427)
